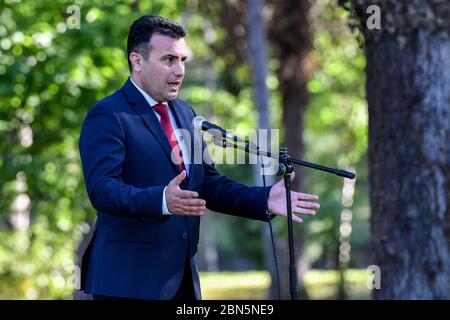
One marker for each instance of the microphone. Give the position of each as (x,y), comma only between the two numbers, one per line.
(201,123)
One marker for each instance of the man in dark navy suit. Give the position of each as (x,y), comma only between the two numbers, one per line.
(148,194)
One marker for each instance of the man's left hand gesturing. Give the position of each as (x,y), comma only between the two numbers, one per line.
(302,203)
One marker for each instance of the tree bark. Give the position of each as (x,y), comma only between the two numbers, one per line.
(261,96)
(408,94)
(290,35)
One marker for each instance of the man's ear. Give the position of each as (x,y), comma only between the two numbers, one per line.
(136,61)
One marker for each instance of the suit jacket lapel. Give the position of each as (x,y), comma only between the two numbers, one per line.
(140,105)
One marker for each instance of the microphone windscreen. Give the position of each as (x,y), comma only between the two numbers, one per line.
(197,122)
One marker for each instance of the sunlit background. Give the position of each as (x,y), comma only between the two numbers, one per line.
(54,67)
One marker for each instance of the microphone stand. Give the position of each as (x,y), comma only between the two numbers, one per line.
(285,169)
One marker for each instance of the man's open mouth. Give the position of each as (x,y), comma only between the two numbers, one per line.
(174,85)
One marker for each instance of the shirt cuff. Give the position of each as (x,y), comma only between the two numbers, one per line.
(165,210)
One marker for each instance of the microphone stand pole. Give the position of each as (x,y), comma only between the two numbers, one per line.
(285,169)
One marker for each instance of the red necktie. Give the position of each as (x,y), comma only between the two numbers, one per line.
(166,125)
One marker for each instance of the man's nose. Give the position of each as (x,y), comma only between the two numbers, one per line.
(178,69)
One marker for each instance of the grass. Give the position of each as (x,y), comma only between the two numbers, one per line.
(253,285)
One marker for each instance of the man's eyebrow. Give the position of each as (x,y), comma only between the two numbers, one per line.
(183,58)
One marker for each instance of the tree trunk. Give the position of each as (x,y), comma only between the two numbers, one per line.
(261,96)
(290,35)
(408,94)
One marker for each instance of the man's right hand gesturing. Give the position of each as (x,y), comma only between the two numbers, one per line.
(183,202)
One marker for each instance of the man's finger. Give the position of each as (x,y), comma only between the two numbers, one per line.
(193,212)
(179,178)
(308,204)
(186,194)
(197,208)
(307,196)
(192,202)
(292,175)
(307,212)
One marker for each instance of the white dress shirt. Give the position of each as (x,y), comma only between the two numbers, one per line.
(152,102)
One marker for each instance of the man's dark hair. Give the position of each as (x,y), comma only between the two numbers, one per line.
(144,28)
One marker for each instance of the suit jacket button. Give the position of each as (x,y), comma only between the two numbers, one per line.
(185,235)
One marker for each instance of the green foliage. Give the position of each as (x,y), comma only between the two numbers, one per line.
(336,131)
(335,135)
(51,76)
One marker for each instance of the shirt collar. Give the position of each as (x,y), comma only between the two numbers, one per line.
(152,102)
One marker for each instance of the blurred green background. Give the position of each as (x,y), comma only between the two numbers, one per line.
(54,67)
